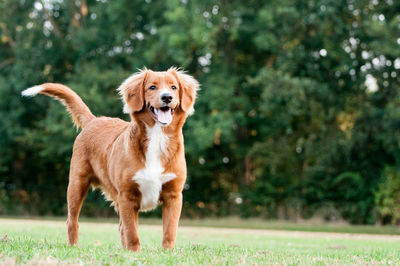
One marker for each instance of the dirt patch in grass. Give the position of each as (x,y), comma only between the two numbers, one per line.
(300,234)
(229,231)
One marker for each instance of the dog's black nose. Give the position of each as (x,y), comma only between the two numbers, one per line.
(166,97)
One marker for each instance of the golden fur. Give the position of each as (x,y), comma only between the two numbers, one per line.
(109,152)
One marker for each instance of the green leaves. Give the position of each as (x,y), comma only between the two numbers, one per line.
(283,110)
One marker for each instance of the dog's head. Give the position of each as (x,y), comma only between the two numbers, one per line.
(159,95)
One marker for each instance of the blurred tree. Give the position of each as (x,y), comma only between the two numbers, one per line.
(388,197)
(298,112)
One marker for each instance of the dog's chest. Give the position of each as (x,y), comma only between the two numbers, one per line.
(151,178)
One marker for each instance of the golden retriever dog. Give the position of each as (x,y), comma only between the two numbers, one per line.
(136,164)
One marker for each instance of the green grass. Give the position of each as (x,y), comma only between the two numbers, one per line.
(36,242)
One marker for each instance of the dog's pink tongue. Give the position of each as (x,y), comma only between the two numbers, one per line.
(164,117)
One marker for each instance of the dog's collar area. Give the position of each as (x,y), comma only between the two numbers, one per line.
(163,114)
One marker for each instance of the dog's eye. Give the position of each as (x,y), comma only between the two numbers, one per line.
(152,87)
(173,87)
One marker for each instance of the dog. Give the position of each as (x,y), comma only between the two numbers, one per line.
(136,164)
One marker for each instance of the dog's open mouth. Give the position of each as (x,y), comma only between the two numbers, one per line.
(163,114)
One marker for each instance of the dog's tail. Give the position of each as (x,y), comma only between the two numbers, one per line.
(79,111)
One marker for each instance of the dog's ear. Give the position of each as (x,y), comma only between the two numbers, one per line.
(132,91)
(188,89)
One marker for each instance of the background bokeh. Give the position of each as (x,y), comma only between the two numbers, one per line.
(298,115)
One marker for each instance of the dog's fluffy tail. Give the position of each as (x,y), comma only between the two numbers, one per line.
(79,111)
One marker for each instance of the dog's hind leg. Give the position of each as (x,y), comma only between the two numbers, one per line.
(79,182)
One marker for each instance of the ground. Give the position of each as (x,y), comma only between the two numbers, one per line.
(44,242)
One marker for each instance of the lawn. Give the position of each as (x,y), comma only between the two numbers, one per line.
(44,242)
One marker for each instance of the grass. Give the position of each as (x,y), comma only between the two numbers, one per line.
(44,242)
(314,225)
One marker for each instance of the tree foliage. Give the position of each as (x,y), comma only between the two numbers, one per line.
(298,113)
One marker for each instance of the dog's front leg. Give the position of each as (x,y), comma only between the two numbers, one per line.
(129,206)
(121,230)
(171,212)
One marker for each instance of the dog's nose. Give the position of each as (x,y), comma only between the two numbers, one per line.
(166,97)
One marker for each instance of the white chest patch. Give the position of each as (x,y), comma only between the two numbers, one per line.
(151,178)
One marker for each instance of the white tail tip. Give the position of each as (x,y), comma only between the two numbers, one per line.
(32,91)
